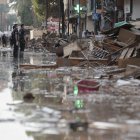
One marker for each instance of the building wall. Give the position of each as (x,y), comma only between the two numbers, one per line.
(65,4)
(89,22)
(3,15)
(3,1)
(90,26)
(127,6)
(136,10)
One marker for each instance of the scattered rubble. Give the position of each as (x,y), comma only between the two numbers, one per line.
(79,84)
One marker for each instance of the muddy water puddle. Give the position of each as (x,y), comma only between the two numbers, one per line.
(51,110)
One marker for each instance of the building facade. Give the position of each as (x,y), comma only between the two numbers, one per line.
(76,13)
(131,9)
(111,11)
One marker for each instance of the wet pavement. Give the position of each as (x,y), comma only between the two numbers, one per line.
(40,104)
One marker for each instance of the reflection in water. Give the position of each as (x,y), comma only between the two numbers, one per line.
(112,114)
(79,104)
(5,97)
(18,82)
(13,131)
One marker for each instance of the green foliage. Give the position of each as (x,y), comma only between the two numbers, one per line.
(32,11)
(23,8)
(11,18)
(26,16)
(39,7)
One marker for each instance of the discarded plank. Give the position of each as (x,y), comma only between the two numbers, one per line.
(28,66)
(123,54)
(111,47)
(129,53)
(129,61)
(77,61)
(126,36)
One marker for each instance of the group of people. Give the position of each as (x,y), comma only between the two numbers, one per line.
(18,41)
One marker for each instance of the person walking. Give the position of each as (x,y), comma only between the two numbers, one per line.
(4,40)
(15,41)
(22,40)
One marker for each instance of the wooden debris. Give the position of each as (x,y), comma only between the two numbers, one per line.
(29,66)
(69,48)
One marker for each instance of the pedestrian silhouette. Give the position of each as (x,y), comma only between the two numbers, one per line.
(4,40)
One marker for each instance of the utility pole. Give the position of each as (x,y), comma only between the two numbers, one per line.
(85,13)
(68,16)
(46,12)
(59,17)
(116,19)
(94,20)
(63,17)
(79,24)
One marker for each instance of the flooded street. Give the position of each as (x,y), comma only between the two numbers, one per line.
(42,104)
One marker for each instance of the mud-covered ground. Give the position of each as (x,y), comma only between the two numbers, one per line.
(40,104)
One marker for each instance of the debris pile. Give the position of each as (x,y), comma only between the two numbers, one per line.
(118,46)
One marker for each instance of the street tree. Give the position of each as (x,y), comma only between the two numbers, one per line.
(24,11)
(39,7)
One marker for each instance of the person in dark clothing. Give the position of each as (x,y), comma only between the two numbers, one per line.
(22,41)
(14,37)
(11,41)
(4,40)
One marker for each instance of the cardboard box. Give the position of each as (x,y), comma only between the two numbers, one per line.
(128,37)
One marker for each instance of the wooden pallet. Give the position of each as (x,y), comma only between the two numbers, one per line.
(29,66)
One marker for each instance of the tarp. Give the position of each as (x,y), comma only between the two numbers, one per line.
(117,27)
(119,24)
